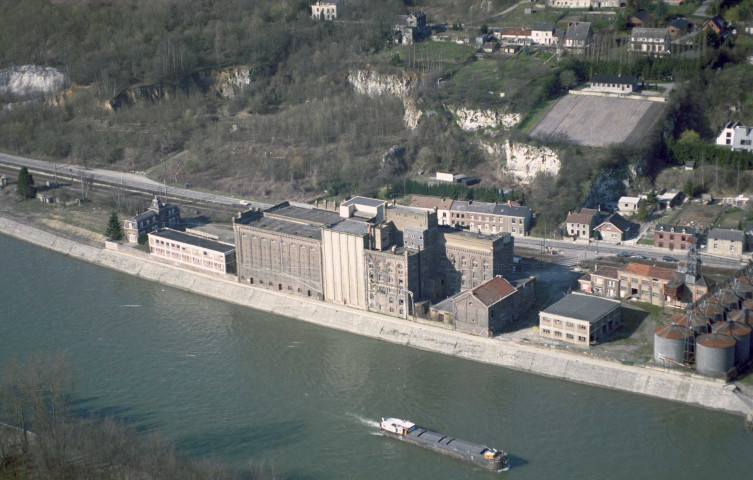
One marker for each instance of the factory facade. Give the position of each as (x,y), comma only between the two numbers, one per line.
(367,254)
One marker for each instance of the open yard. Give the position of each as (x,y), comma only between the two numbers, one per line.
(598,121)
(701,217)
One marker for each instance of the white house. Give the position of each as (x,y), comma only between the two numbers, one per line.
(614,83)
(325,9)
(543,34)
(736,136)
(629,204)
(653,41)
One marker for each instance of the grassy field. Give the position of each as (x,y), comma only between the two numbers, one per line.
(427,51)
(518,19)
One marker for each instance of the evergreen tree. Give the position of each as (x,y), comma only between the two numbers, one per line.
(25,184)
(114,228)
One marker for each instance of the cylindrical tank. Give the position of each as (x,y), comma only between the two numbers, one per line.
(672,342)
(748,304)
(715,354)
(743,316)
(693,320)
(744,290)
(713,311)
(741,333)
(727,299)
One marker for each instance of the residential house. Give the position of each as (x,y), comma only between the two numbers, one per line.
(642,18)
(192,250)
(543,34)
(725,242)
(586,4)
(717,23)
(490,47)
(325,9)
(516,36)
(615,229)
(604,281)
(651,41)
(493,305)
(679,26)
(159,215)
(674,237)
(669,199)
(736,136)
(410,28)
(580,319)
(580,225)
(645,282)
(614,83)
(491,218)
(440,205)
(578,35)
(629,205)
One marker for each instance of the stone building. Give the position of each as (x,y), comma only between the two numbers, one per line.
(604,281)
(440,205)
(674,237)
(580,319)
(651,41)
(159,215)
(729,243)
(281,248)
(469,258)
(491,218)
(645,282)
(581,225)
(192,250)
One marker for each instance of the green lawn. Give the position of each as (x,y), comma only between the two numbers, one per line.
(427,51)
(518,19)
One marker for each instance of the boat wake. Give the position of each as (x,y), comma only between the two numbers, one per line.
(365,421)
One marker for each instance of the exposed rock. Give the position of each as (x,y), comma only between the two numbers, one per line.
(524,161)
(369,82)
(138,94)
(470,120)
(607,187)
(226,83)
(30,81)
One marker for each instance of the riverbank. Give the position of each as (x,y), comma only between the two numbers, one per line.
(675,386)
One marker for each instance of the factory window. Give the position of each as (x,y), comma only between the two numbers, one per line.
(392,300)
(569,324)
(546,331)
(570,336)
(557,334)
(581,338)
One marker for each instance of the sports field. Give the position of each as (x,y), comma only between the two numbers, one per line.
(598,121)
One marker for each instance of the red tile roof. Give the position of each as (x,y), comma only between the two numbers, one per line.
(494,290)
(648,271)
(607,272)
(583,218)
(419,201)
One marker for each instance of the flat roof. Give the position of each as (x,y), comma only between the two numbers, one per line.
(287,227)
(369,202)
(310,215)
(352,226)
(182,237)
(582,307)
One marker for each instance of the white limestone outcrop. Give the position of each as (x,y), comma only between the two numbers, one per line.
(471,120)
(524,161)
(369,82)
(30,81)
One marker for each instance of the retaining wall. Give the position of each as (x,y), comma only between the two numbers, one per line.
(675,386)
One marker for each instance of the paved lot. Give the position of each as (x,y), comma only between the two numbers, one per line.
(598,121)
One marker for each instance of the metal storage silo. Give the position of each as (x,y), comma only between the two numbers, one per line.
(672,342)
(743,316)
(726,299)
(695,321)
(741,333)
(713,311)
(715,354)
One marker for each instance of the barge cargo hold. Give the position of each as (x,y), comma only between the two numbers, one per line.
(489,458)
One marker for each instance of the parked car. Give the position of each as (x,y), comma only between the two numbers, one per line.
(667,258)
(638,255)
(623,254)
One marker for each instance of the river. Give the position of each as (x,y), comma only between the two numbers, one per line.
(250,387)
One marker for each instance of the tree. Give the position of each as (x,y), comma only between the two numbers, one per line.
(114,228)
(25,184)
(643,211)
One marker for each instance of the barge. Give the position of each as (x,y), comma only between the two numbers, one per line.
(480,455)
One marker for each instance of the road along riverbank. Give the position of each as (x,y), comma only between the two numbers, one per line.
(675,386)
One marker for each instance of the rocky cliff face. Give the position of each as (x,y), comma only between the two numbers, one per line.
(471,120)
(29,81)
(608,186)
(524,161)
(369,82)
(137,94)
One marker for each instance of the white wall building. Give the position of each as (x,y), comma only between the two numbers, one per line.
(736,136)
(325,10)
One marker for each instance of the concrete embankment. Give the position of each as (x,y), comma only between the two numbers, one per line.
(669,385)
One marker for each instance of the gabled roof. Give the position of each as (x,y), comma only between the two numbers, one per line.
(664,227)
(583,218)
(494,290)
(679,23)
(618,221)
(508,209)
(543,27)
(588,308)
(724,234)
(578,31)
(518,32)
(642,15)
(607,272)
(653,33)
(618,79)
(649,271)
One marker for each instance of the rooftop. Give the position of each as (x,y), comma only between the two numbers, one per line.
(724,234)
(649,271)
(508,209)
(420,201)
(665,227)
(365,201)
(352,226)
(606,272)
(641,32)
(176,236)
(284,226)
(583,307)
(317,216)
(492,291)
(618,79)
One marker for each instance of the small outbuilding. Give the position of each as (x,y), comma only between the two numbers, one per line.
(580,319)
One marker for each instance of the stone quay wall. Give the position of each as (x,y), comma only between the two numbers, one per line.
(669,385)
